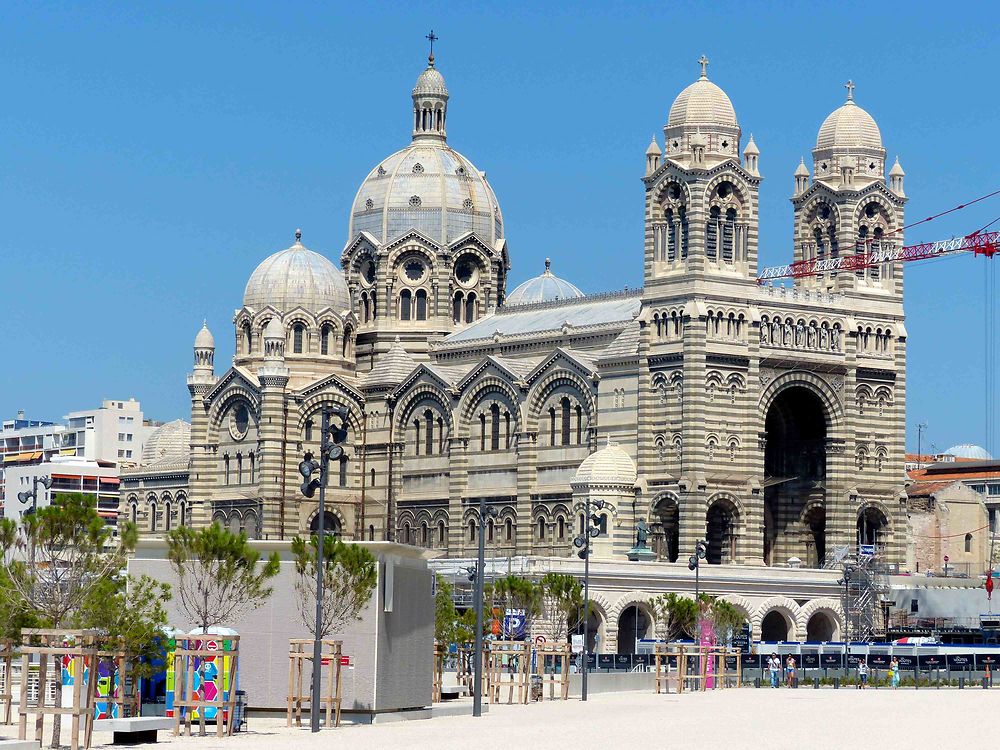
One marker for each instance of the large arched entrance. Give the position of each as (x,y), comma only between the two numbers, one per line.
(331,524)
(795,478)
(720,531)
(774,627)
(594,627)
(634,623)
(821,627)
(665,529)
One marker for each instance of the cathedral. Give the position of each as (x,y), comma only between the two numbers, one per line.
(767,420)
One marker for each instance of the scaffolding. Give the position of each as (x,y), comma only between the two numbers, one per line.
(865,587)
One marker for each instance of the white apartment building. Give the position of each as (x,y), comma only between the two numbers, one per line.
(99,479)
(115,432)
(26,441)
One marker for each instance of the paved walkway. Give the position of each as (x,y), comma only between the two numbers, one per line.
(747,718)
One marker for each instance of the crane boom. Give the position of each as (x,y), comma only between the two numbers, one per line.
(874,253)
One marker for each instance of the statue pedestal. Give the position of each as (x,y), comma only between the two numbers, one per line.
(641,554)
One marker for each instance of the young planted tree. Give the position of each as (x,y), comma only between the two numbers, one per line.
(350,573)
(561,605)
(726,619)
(445,613)
(677,616)
(220,577)
(56,561)
(514,592)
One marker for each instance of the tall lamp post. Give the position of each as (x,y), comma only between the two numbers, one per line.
(694,563)
(329,450)
(591,530)
(32,494)
(846,581)
(485,511)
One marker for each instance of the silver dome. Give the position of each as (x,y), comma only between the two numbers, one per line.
(297,277)
(428,187)
(849,126)
(168,442)
(968,450)
(544,288)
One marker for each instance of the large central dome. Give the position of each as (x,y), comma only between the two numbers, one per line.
(427,186)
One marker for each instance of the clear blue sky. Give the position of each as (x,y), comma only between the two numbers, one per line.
(152,154)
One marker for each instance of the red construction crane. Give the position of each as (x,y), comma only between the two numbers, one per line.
(874,253)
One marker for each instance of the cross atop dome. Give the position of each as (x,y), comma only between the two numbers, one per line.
(850,90)
(431,38)
(703,61)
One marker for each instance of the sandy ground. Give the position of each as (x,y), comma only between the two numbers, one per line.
(745,718)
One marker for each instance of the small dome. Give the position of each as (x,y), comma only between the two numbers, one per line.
(968,450)
(751,149)
(544,288)
(897,169)
(297,277)
(654,148)
(273,329)
(204,339)
(430,82)
(168,442)
(802,170)
(702,103)
(610,465)
(849,126)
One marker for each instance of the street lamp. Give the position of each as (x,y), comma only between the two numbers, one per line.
(591,530)
(32,494)
(849,571)
(485,511)
(694,563)
(329,450)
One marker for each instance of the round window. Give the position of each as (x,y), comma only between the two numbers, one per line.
(414,270)
(723,190)
(368,271)
(467,272)
(870,210)
(239,422)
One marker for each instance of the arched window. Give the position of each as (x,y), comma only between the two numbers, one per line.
(225,465)
(371,533)
(561,524)
(728,236)
(472,530)
(239,468)
(489,530)
(424,536)
(298,334)
(440,532)
(166,515)
(247,338)
(579,425)
(470,308)
(421,304)
(404,304)
(456,308)
(345,343)
(509,530)
(440,435)
(552,426)
(373,477)
(541,529)
(416,437)
(429,436)
(406,533)
(365,310)
(324,339)
(134,511)
(482,432)
(182,518)
(494,428)
(712,233)
(152,516)
(253,472)
(342,478)
(564,406)
(968,542)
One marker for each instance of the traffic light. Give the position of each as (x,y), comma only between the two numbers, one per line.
(702,549)
(692,562)
(471,570)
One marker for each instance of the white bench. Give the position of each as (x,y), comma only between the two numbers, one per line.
(134,730)
(453,691)
(14,744)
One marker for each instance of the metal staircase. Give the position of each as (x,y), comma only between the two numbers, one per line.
(865,586)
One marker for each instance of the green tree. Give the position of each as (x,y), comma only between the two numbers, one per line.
(514,592)
(445,613)
(56,561)
(726,619)
(219,574)
(350,573)
(561,604)
(677,615)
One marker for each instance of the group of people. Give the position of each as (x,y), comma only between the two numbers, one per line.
(774,667)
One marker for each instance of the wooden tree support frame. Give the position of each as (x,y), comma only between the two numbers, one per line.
(560,655)
(464,668)
(7,655)
(692,667)
(300,652)
(662,656)
(509,667)
(80,647)
(439,654)
(189,648)
(127,697)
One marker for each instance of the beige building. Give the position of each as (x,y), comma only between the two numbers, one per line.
(769,421)
(947,520)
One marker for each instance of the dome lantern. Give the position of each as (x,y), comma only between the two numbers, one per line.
(430,102)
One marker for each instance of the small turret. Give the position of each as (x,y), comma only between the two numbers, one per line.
(801,177)
(274,341)
(896,175)
(204,350)
(652,157)
(750,156)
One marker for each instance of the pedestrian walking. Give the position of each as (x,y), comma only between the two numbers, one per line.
(789,671)
(894,673)
(862,673)
(774,667)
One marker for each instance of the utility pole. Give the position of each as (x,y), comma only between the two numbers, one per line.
(591,530)
(920,434)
